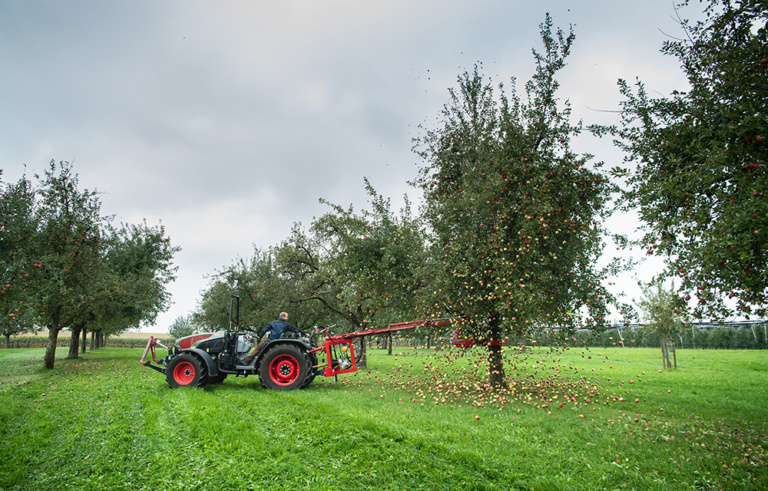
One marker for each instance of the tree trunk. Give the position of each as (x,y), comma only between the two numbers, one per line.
(74,343)
(361,358)
(389,344)
(74,340)
(85,339)
(674,354)
(495,358)
(665,344)
(53,337)
(7,341)
(50,351)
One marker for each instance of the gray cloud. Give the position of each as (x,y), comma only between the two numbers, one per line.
(229,120)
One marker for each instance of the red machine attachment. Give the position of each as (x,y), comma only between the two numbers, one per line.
(153,341)
(339,349)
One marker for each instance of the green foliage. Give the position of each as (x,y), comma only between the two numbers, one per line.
(264,292)
(137,265)
(127,430)
(693,337)
(360,267)
(665,311)
(699,161)
(183,326)
(17,231)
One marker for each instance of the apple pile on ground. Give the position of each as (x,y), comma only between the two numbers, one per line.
(538,381)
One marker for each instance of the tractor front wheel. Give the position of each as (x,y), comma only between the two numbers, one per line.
(185,371)
(283,368)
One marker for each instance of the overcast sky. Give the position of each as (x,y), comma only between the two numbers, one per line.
(227,121)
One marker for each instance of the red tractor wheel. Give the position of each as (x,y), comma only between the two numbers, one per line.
(283,368)
(185,371)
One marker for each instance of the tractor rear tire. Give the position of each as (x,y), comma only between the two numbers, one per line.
(186,371)
(311,361)
(284,367)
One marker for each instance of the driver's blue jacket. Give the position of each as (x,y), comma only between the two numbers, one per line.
(278,328)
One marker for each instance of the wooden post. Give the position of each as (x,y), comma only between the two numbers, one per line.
(666,344)
(674,355)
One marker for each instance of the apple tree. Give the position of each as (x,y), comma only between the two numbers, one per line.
(696,164)
(17,263)
(136,265)
(515,213)
(67,244)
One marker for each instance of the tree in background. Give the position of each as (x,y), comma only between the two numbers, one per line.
(183,326)
(263,292)
(665,313)
(136,267)
(698,160)
(356,265)
(361,267)
(516,215)
(17,231)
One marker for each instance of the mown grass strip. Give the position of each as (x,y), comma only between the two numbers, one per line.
(104,422)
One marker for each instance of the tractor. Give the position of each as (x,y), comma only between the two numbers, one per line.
(284,364)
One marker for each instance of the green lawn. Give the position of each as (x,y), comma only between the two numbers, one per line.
(419,420)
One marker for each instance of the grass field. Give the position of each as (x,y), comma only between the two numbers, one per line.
(418,420)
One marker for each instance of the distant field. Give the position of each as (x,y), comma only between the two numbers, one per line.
(125,335)
(143,335)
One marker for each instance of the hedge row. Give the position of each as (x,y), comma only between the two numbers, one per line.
(717,338)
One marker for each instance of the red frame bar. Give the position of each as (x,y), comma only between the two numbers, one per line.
(346,339)
(399,326)
(150,346)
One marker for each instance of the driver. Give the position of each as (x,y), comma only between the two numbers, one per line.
(276,329)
